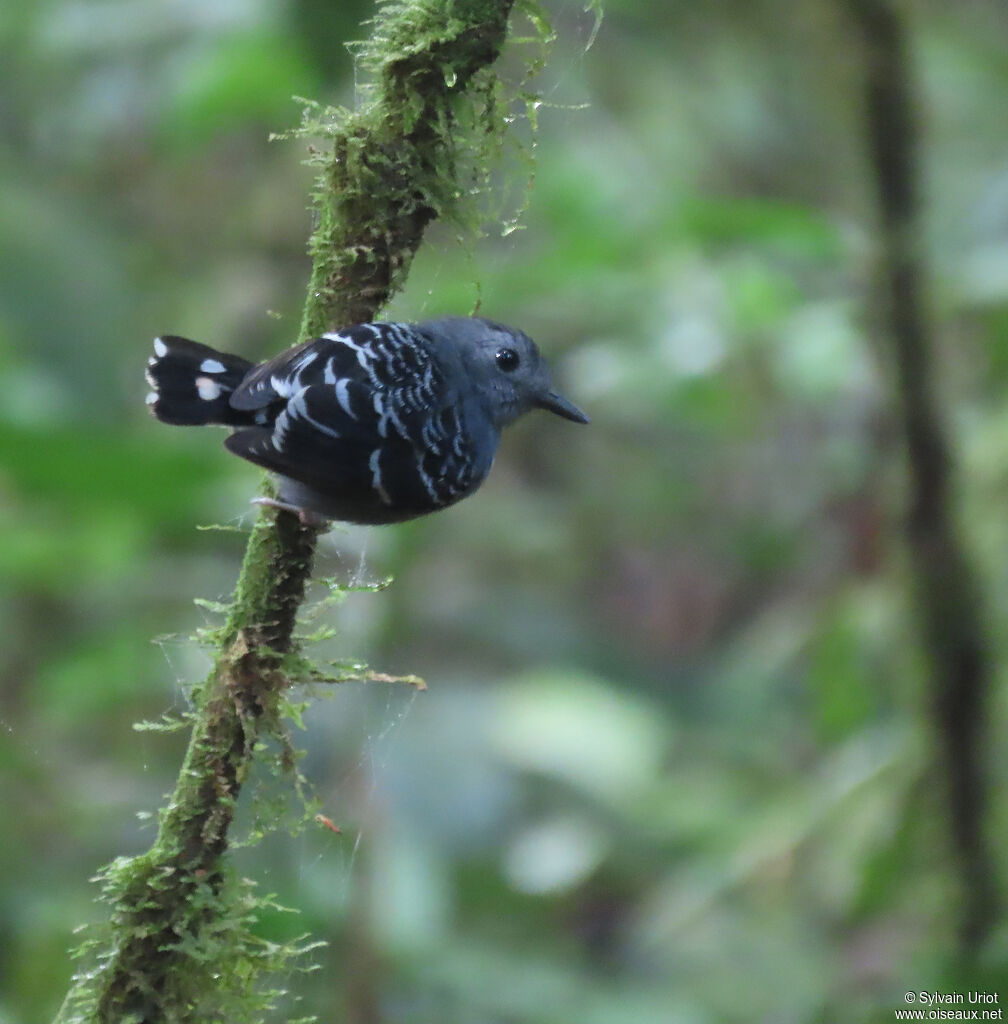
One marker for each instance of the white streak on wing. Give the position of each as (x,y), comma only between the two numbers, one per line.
(209,390)
(329,374)
(398,424)
(379,407)
(400,334)
(297,407)
(383,350)
(305,361)
(426,435)
(287,386)
(280,427)
(160,348)
(389,414)
(152,397)
(376,480)
(211,366)
(343,397)
(365,355)
(428,484)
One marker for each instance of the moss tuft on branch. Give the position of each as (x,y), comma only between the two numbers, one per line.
(394,164)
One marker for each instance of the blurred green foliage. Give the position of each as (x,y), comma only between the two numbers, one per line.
(675,762)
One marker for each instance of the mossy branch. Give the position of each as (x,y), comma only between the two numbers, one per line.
(390,171)
(393,167)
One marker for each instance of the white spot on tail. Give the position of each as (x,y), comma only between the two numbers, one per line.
(211,366)
(160,348)
(209,390)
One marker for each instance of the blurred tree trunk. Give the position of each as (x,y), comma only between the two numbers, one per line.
(390,172)
(948,597)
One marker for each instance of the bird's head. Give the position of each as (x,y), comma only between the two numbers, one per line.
(505,368)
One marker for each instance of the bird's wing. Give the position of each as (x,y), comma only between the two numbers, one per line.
(380,356)
(365,411)
(349,441)
(316,438)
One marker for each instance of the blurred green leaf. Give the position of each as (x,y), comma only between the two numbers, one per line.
(80,468)
(581,730)
(245,79)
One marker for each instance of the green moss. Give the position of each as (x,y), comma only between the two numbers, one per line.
(431,123)
(214,967)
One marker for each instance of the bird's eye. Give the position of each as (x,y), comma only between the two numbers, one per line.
(507,359)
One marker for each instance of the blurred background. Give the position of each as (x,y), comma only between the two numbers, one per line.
(676,761)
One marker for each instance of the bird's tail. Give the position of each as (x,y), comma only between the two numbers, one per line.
(192,383)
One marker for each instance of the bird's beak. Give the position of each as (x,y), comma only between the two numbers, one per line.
(553,402)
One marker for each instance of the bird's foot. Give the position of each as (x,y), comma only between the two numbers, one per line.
(306,516)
